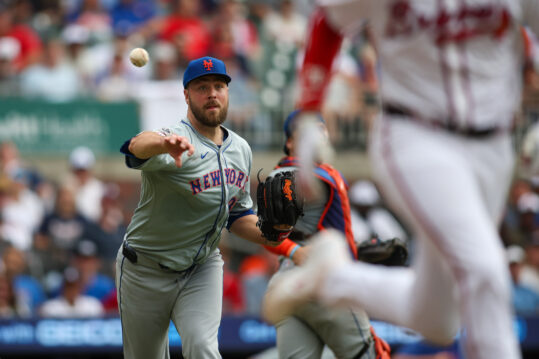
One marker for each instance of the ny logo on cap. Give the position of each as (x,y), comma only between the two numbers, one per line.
(208,64)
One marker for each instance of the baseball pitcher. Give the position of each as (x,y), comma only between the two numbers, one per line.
(195,182)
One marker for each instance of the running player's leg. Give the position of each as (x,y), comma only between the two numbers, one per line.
(440,184)
(198,308)
(487,311)
(422,298)
(296,339)
(145,300)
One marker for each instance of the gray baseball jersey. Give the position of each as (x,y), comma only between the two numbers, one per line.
(178,224)
(212,184)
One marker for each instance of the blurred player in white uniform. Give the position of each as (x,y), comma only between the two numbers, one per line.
(442,155)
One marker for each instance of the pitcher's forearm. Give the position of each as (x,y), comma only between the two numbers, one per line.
(245,227)
(147,144)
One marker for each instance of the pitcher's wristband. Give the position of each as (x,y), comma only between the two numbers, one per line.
(291,255)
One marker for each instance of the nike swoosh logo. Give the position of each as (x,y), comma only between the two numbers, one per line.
(204,155)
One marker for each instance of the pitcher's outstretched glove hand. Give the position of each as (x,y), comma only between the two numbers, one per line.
(390,252)
(279,205)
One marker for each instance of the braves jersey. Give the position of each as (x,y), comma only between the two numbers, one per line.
(447,80)
(182,211)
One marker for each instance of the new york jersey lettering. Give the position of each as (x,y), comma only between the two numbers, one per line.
(212,179)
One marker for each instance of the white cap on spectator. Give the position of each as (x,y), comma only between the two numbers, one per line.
(528,202)
(364,193)
(515,254)
(71,275)
(163,51)
(86,248)
(81,158)
(75,34)
(9,48)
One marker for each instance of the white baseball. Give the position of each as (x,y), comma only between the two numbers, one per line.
(139,57)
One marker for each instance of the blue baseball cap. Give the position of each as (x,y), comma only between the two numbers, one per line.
(289,123)
(204,66)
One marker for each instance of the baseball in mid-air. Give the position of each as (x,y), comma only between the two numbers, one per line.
(139,57)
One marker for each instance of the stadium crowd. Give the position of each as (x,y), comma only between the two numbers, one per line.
(58,241)
(82,46)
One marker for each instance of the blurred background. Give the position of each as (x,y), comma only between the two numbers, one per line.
(69,98)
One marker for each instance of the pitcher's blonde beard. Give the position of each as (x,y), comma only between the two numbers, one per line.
(209,121)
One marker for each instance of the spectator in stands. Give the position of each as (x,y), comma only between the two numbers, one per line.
(529,273)
(5,195)
(287,26)
(58,235)
(161,97)
(530,73)
(56,69)
(76,39)
(244,108)
(255,272)
(129,15)
(112,224)
(22,211)
(528,212)
(9,81)
(89,190)
(525,300)
(369,218)
(233,301)
(234,35)
(116,84)
(72,303)
(12,165)
(98,59)
(511,220)
(95,18)
(184,28)
(165,64)
(24,41)
(46,16)
(27,288)
(529,148)
(10,304)
(88,263)
(259,13)
(110,302)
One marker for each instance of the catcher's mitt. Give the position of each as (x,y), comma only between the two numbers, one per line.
(279,205)
(390,252)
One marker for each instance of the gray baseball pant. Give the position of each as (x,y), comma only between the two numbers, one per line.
(148,298)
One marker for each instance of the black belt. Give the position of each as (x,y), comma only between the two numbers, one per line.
(135,257)
(447,125)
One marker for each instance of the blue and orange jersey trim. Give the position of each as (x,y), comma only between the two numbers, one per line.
(336,213)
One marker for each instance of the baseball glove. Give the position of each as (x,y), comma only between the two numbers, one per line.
(391,252)
(279,205)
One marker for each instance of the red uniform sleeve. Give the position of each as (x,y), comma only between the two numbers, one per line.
(323,44)
(284,248)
